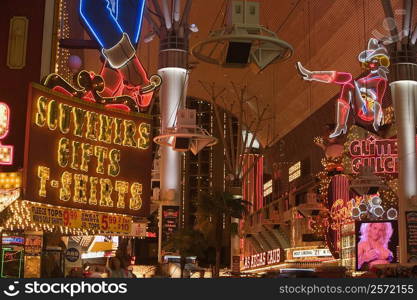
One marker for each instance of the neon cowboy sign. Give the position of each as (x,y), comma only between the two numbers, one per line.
(381,155)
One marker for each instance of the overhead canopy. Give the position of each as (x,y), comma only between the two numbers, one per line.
(325,35)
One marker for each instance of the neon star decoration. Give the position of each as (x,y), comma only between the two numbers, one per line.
(364,95)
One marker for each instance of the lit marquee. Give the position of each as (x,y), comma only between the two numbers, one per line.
(10,180)
(6,151)
(10,184)
(82,156)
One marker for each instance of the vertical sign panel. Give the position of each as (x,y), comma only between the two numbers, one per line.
(170,221)
(411,221)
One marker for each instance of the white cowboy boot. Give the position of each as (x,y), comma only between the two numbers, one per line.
(321,76)
(378,114)
(122,57)
(342,117)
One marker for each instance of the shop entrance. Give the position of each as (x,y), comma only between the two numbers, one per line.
(52,262)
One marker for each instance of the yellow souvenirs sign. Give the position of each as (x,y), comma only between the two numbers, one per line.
(80,155)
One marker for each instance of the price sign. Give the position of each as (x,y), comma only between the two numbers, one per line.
(79,219)
(71,218)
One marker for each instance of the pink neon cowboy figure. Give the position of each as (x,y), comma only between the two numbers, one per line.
(365,94)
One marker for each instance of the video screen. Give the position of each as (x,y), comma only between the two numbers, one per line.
(376,243)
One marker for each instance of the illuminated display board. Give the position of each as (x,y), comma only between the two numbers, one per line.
(376,243)
(294,171)
(80,155)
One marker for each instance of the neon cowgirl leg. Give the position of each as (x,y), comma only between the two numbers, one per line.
(343,105)
(321,76)
(341,78)
(107,25)
(342,115)
(122,56)
(129,15)
(98,18)
(117,31)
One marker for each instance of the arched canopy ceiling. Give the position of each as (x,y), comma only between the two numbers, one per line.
(325,35)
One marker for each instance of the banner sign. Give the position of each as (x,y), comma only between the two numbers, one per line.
(79,219)
(170,221)
(80,155)
(262,259)
(411,227)
(311,253)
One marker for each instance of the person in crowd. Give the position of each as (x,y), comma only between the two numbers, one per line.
(126,264)
(75,273)
(51,267)
(117,269)
(373,245)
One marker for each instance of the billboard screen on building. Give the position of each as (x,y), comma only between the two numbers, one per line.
(80,155)
(376,243)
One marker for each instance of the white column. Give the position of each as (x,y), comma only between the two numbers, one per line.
(404,97)
(172,97)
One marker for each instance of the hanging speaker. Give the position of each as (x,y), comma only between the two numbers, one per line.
(181,144)
(238,53)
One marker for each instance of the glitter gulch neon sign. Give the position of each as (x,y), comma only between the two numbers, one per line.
(378,154)
(6,151)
